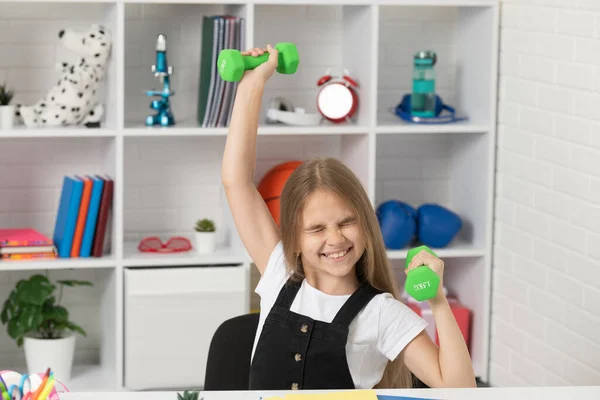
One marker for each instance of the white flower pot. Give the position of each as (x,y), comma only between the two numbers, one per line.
(7,116)
(205,242)
(56,354)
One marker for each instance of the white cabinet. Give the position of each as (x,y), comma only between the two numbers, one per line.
(170,317)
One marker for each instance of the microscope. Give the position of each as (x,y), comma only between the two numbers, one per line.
(162,71)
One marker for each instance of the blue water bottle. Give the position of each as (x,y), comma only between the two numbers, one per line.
(423,93)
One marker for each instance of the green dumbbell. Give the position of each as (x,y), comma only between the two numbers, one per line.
(232,64)
(421,282)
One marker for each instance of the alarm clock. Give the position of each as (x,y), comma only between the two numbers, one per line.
(337,99)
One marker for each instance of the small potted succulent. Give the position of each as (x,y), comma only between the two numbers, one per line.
(36,320)
(205,236)
(188,395)
(7,110)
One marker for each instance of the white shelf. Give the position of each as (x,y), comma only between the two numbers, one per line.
(92,378)
(222,256)
(392,125)
(166,178)
(68,132)
(60,263)
(263,130)
(461,250)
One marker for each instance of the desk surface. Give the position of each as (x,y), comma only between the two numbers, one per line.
(529,393)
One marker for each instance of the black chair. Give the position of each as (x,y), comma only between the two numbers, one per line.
(228,361)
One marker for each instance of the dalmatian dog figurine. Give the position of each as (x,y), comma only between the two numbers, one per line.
(73,101)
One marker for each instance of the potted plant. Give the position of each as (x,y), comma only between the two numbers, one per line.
(7,110)
(188,395)
(205,236)
(36,319)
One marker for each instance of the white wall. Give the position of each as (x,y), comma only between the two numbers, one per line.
(546,302)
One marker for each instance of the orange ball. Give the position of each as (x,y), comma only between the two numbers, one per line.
(271,185)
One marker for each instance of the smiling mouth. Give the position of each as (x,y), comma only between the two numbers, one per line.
(338,255)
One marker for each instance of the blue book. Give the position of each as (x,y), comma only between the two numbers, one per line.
(92,217)
(66,217)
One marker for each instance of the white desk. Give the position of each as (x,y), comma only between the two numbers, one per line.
(525,393)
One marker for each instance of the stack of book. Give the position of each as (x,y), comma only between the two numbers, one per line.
(25,244)
(215,96)
(83,215)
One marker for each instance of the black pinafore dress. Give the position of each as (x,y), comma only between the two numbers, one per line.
(296,352)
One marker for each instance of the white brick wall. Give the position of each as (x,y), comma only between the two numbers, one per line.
(414,170)
(546,318)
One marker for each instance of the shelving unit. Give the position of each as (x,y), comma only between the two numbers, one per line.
(166,178)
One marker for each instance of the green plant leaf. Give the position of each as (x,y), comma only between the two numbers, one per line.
(32,307)
(76,328)
(15,330)
(31,318)
(34,291)
(73,283)
(49,303)
(205,225)
(56,313)
(6,311)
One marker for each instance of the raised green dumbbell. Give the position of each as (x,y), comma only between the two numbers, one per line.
(421,282)
(232,64)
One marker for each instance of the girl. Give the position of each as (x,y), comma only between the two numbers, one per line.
(330,317)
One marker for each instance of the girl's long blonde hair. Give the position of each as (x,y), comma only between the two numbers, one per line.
(373,267)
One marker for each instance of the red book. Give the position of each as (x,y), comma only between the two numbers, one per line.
(22,237)
(103,216)
(81,217)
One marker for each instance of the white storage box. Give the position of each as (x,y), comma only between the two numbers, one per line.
(171,315)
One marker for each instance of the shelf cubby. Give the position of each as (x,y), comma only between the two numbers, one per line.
(460,35)
(182,24)
(330,38)
(452,170)
(31,185)
(35,48)
(169,185)
(93,308)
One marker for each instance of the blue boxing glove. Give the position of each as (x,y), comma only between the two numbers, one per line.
(437,225)
(398,223)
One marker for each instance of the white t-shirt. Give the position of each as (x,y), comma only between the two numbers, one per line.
(379,332)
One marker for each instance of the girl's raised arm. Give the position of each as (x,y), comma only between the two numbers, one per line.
(252,218)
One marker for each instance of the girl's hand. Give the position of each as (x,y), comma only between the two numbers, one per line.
(263,72)
(433,262)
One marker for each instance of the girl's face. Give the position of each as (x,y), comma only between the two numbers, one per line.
(330,240)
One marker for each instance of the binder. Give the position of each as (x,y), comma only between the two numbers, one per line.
(215,96)
(66,217)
